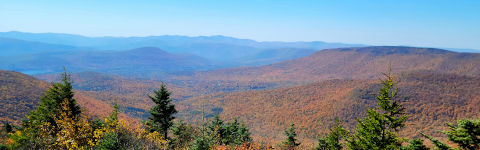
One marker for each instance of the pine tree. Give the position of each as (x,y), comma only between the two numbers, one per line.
(112,119)
(322,144)
(229,133)
(379,129)
(415,144)
(216,130)
(162,113)
(183,135)
(111,140)
(243,135)
(49,105)
(201,142)
(291,141)
(332,140)
(466,133)
(437,143)
(114,115)
(8,127)
(236,133)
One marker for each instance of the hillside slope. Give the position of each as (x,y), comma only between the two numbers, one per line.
(439,86)
(362,64)
(20,93)
(350,63)
(430,98)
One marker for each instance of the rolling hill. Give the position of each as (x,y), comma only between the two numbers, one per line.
(20,93)
(349,63)
(130,93)
(430,98)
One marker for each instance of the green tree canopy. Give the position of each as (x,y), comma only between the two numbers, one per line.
(415,144)
(291,141)
(228,133)
(49,105)
(163,112)
(183,134)
(378,131)
(332,140)
(466,133)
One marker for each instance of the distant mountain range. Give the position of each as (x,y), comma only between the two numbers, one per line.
(128,62)
(35,53)
(12,47)
(215,48)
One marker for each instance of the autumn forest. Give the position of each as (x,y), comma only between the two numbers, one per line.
(402,109)
(239,75)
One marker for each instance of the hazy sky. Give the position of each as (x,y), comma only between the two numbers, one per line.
(433,23)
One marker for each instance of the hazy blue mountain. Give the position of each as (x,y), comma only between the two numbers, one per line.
(10,47)
(128,62)
(216,48)
(464,50)
(271,56)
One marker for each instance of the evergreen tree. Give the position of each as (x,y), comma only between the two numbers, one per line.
(216,130)
(201,142)
(332,140)
(112,119)
(230,133)
(114,115)
(466,133)
(111,140)
(8,127)
(415,144)
(236,133)
(49,105)
(183,135)
(379,129)
(291,141)
(437,143)
(162,112)
(322,144)
(243,135)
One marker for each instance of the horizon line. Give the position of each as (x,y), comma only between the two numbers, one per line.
(226,36)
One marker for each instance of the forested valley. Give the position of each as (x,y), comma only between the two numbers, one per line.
(58,122)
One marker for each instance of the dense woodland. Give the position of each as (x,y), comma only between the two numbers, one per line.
(303,103)
(430,98)
(58,122)
(18,92)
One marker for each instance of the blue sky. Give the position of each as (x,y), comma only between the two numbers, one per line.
(430,23)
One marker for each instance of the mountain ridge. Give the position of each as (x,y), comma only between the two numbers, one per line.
(351,63)
(216,48)
(146,58)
